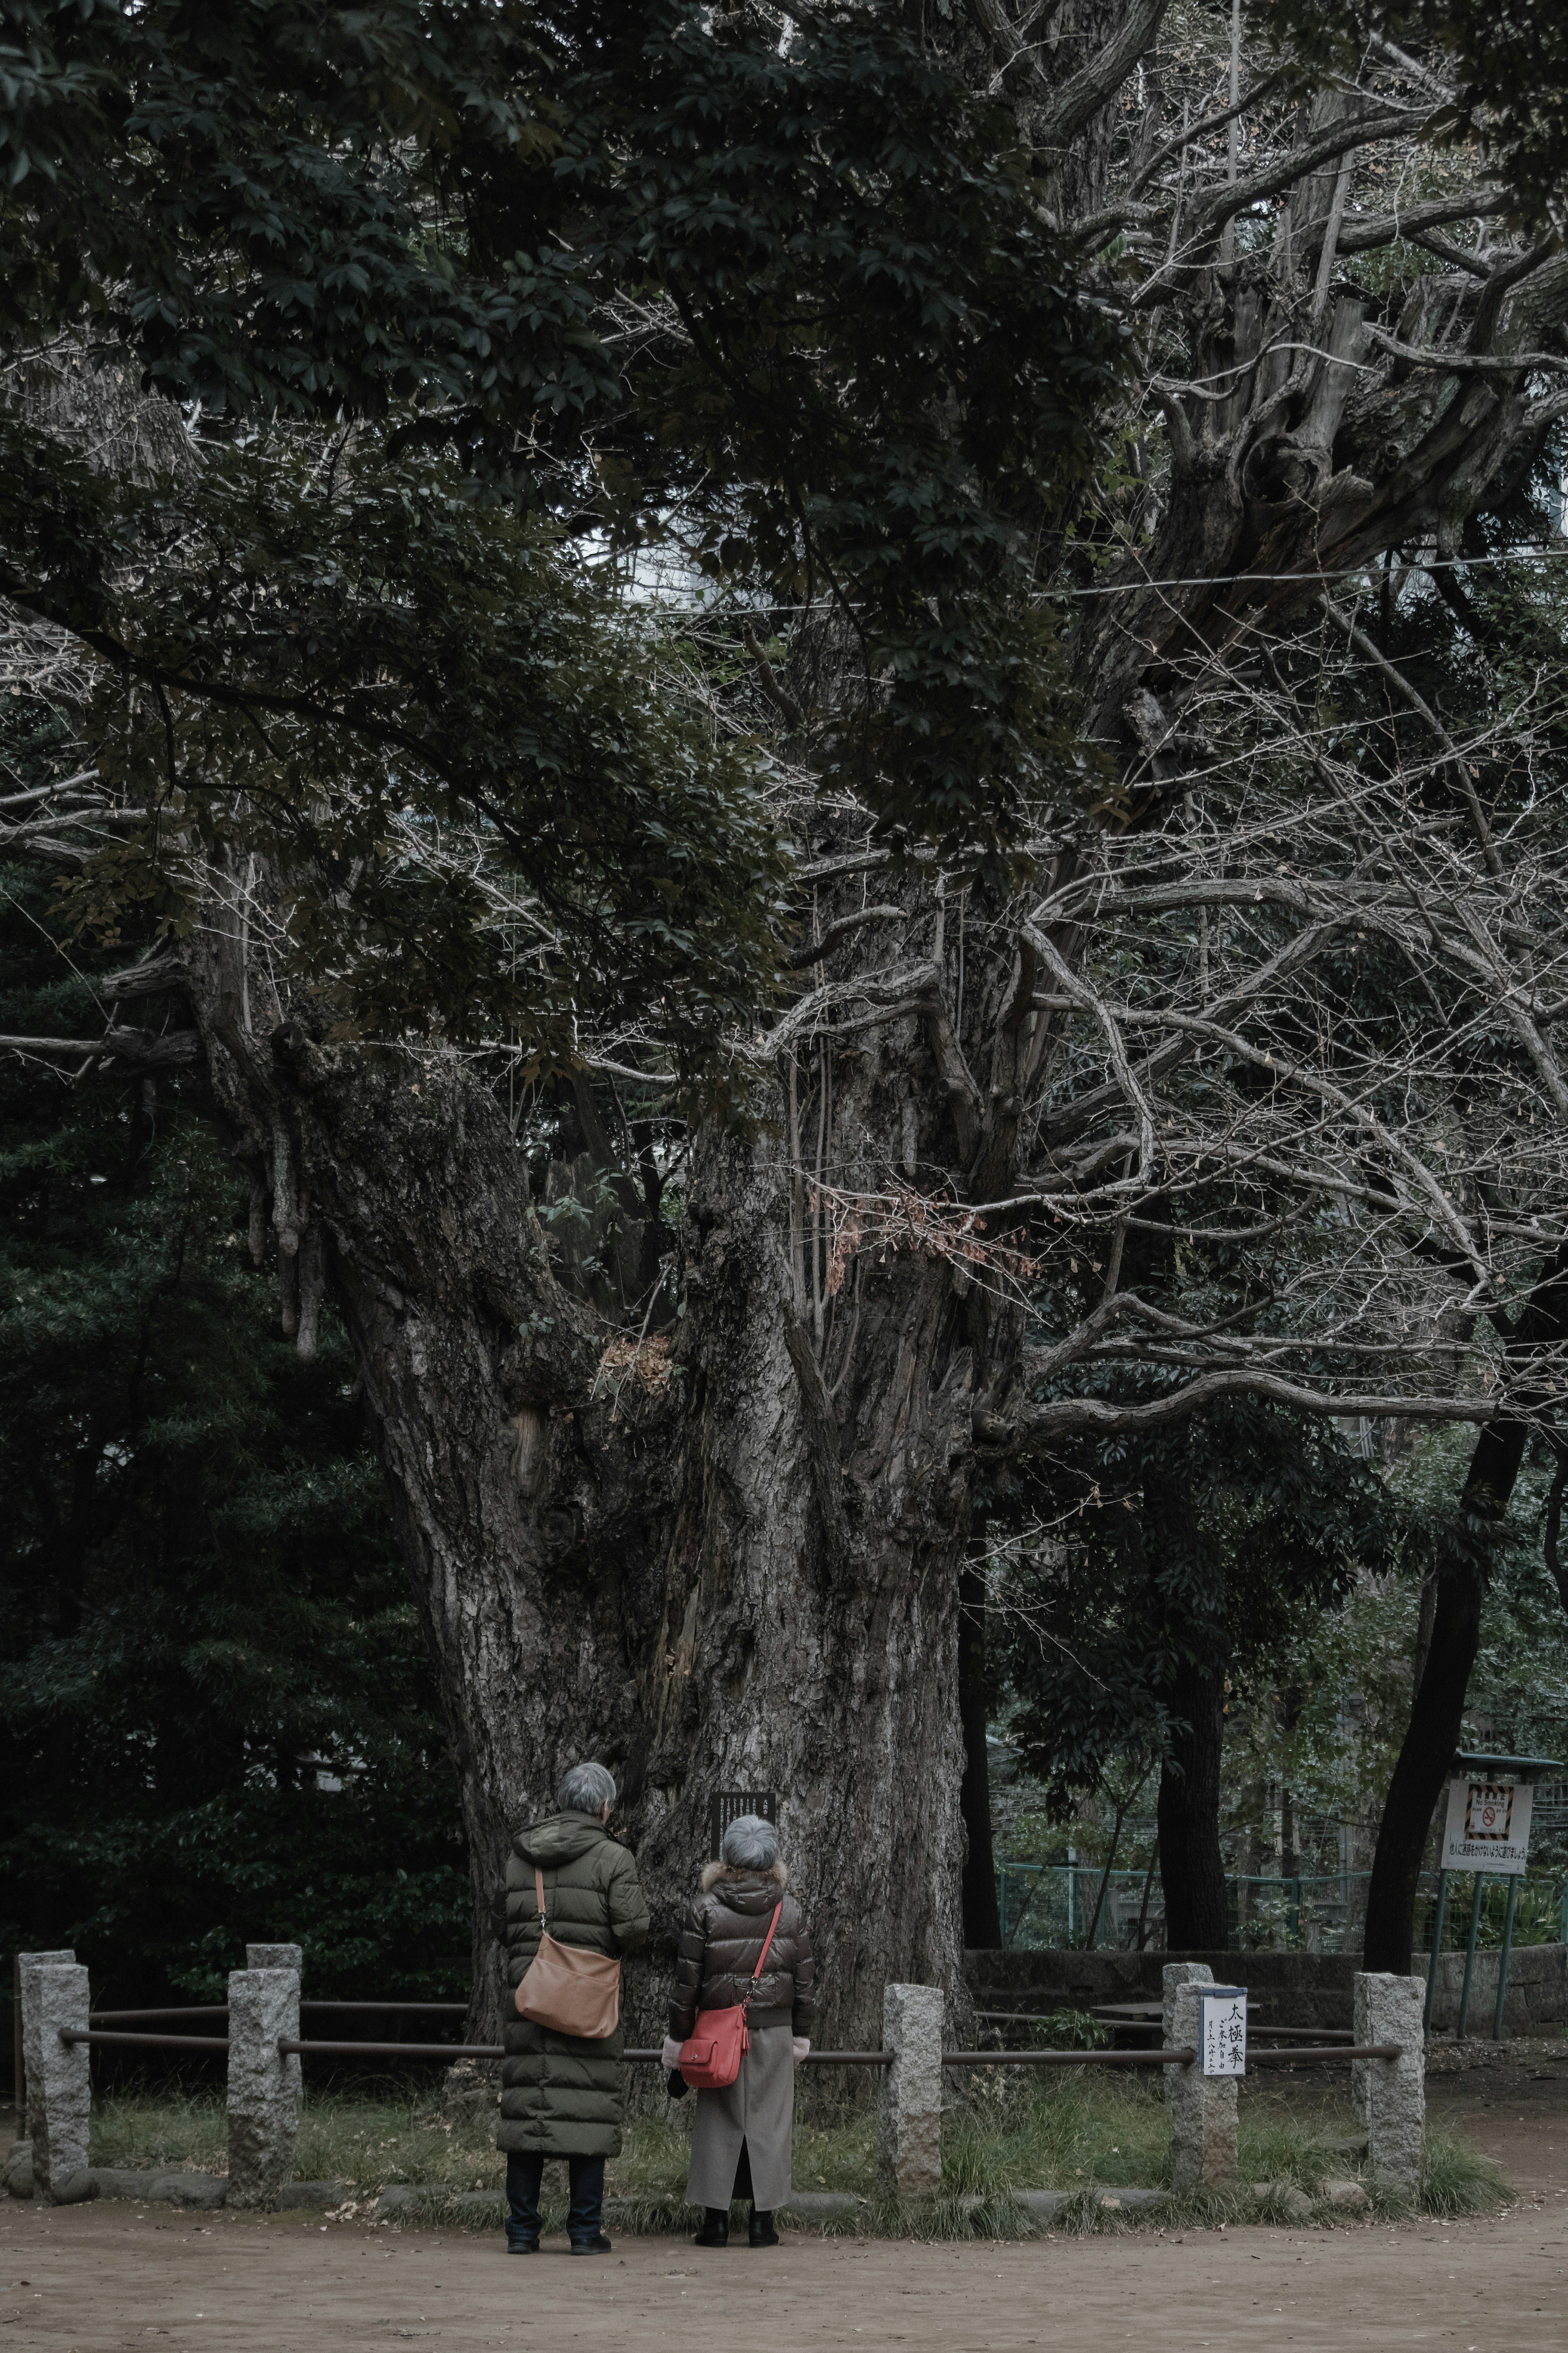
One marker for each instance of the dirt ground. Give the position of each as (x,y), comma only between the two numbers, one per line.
(1516,2112)
(115,2278)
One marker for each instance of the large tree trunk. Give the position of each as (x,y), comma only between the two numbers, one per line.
(691,1565)
(812,1579)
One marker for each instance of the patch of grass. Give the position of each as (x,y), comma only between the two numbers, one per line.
(146,2130)
(370,2143)
(1459,2179)
(1070,2129)
(1073,2130)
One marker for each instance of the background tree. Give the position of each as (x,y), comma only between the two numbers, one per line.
(216,1716)
(1169,1574)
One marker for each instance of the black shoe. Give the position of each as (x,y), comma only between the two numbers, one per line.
(760,2230)
(597,2245)
(522,2246)
(715,2230)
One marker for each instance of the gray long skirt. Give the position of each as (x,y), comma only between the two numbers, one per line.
(758,2108)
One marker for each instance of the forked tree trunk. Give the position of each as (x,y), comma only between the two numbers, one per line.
(690,1565)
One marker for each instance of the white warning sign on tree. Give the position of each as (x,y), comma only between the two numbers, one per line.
(1488,1827)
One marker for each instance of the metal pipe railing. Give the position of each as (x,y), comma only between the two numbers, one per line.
(289,2043)
(1309,2058)
(158,2042)
(220,2009)
(308,2047)
(170,2009)
(1302,2033)
(1183,2055)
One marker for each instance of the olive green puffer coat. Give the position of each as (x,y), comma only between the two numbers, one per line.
(562,2094)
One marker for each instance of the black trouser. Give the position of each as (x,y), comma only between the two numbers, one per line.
(585,2217)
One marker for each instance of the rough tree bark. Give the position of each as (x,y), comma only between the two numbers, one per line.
(690,1565)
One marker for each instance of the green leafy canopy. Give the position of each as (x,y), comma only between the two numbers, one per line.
(633,270)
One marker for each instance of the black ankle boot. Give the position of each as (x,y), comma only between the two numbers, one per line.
(760,2230)
(715,2230)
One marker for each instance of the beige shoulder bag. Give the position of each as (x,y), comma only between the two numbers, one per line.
(567,1990)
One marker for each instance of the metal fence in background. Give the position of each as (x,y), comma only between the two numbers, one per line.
(1051,1907)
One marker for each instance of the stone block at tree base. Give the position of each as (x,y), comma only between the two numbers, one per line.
(1203,2107)
(1286,2199)
(1045,2205)
(1390,2095)
(17,2177)
(197,2193)
(404,2202)
(263,2084)
(910,2150)
(59,2076)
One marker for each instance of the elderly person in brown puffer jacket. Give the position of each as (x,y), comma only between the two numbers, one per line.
(741,2142)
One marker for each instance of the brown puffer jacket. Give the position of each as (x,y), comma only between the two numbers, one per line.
(719,1941)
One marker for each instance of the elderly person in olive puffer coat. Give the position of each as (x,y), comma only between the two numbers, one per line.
(741,2142)
(562,2095)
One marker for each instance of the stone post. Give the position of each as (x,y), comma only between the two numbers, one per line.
(27,1965)
(59,2074)
(276,1956)
(263,2085)
(1390,2095)
(1203,2107)
(910,2149)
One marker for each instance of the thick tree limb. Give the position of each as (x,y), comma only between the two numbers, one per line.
(1083,96)
(1363,234)
(141,1047)
(843,929)
(1035,1429)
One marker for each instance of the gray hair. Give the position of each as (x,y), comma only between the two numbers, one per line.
(749,1844)
(586,1790)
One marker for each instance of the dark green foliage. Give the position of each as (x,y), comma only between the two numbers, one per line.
(1201,1550)
(344,659)
(200,1595)
(859,361)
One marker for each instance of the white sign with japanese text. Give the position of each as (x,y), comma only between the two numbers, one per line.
(1488,1827)
(1222,2029)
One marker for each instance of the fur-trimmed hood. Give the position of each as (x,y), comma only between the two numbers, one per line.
(714,1871)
